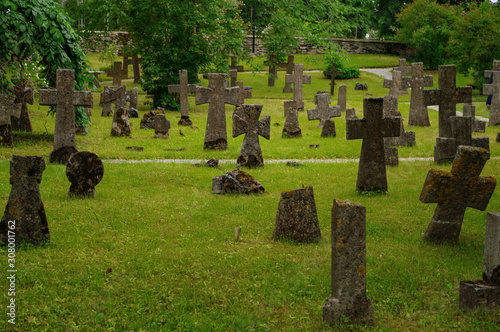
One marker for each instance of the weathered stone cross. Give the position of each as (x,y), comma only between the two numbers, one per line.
(298,80)
(291,128)
(8,109)
(246,121)
(332,73)
(404,69)
(418,111)
(233,74)
(126,62)
(117,73)
(323,112)
(273,69)
(372,129)
(494,90)
(244,92)
(447,96)
(183,88)
(478,126)
(65,98)
(217,95)
(23,95)
(455,191)
(119,96)
(391,101)
(290,65)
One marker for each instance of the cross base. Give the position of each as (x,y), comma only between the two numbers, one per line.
(440,231)
(445,148)
(478,294)
(219,144)
(61,156)
(185,121)
(359,310)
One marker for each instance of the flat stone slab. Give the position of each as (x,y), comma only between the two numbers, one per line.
(84,170)
(236,182)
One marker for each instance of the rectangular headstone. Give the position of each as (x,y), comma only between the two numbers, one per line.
(491,269)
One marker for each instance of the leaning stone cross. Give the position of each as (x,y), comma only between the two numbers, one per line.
(65,98)
(8,109)
(372,129)
(418,110)
(298,80)
(455,191)
(333,72)
(183,88)
(494,90)
(289,66)
(246,121)
(323,112)
(273,69)
(404,69)
(216,95)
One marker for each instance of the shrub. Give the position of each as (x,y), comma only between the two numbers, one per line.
(341,59)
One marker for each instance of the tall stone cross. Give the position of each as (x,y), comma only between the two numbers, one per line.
(136,61)
(494,90)
(183,88)
(404,69)
(291,128)
(8,108)
(244,92)
(65,98)
(418,110)
(298,79)
(289,66)
(455,191)
(127,60)
(117,73)
(233,75)
(332,73)
(273,69)
(372,129)
(23,95)
(391,101)
(216,95)
(447,96)
(246,121)
(323,112)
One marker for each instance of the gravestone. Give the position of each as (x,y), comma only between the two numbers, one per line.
(273,69)
(24,209)
(298,80)
(494,90)
(485,293)
(236,182)
(217,95)
(455,191)
(406,138)
(323,111)
(348,298)
(391,156)
(65,98)
(233,75)
(119,97)
(478,126)
(148,119)
(447,96)
(126,62)
(361,86)
(121,124)
(136,61)
(332,74)
(350,113)
(161,126)
(84,170)
(461,128)
(496,66)
(291,128)
(234,65)
(23,95)
(183,88)
(372,129)
(117,73)
(289,66)
(404,69)
(296,218)
(342,98)
(418,110)
(246,121)
(8,109)
(244,92)
(392,99)
(328,129)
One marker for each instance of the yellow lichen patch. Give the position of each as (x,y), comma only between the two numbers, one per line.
(361,270)
(13,210)
(339,223)
(340,243)
(18,201)
(491,259)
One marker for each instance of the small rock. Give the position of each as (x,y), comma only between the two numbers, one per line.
(293,164)
(135,148)
(314,146)
(133,113)
(214,162)
(236,182)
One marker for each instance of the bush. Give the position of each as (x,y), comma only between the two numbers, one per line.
(341,59)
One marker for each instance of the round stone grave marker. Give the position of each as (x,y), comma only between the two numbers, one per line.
(84,170)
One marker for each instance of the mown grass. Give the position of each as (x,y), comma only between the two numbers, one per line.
(154,251)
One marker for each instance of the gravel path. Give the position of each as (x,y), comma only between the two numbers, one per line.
(384,72)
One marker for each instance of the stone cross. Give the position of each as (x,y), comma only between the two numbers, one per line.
(478,126)
(342,98)
(183,88)
(121,123)
(404,69)
(455,191)
(65,98)
(392,99)
(84,170)
(161,126)
(119,97)
(216,95)
(8,109)
(24,209)
(244,92)
(234,65)
(117,73)
(273,69)
(233,74)
(23,95)
(323,112)
(126,62)
(461,128)
(447,96)
(494,90)
(406,138)
(332,73)
(291,128)
(298,79)
(289,66)
(496,66)
(136,61)
(418,110)
(246,121)
(372,129)
(348,297)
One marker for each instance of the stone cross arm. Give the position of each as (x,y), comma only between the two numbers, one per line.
(432,97)
(231,95)
(306,79)
(356,129)
(315,114)
(391,127)
(9,108)
(203,95)
(175,88)
(133,95)
(52,96)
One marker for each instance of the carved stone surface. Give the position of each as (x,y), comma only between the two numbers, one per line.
(183,88)
(217,95)
(236,182)
(246,121)
(323,111)
(372,129)
(161,126)
(291,128)
(494,90)
(121,124)
(244,92)
(418,110)
(348,297)
(296,218)
(455,191)
(24,95)
(84,170)
(24,209)
(342,98)
(289,66)
(391,101)
(8,109)
(298,79)
(478,126)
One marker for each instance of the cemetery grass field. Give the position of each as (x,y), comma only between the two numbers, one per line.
(155,249)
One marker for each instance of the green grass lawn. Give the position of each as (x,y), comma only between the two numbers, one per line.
(154,250)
